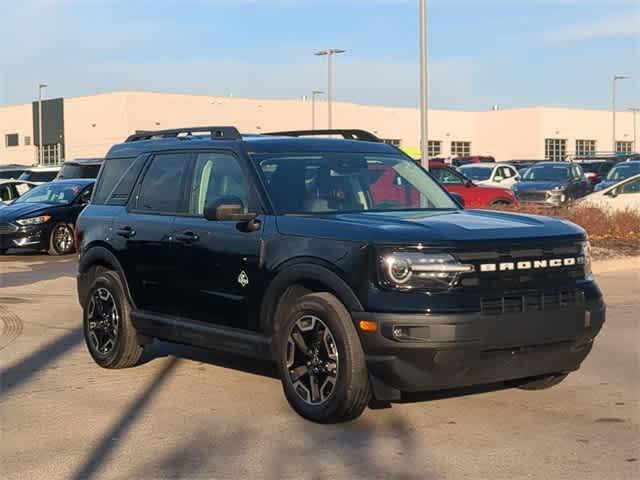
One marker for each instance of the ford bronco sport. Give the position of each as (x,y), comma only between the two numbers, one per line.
(285,248)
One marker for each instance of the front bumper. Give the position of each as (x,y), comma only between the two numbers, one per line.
(32,236)
(548,198)
(463,349)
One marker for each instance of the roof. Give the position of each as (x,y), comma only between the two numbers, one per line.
(253,144)
(84,161)
(48,168)
(490,165)
(76,181)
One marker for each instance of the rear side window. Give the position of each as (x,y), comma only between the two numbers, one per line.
(122,170)
(161,187)
(38,176)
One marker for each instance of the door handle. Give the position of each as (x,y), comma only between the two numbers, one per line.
(186,237)
(126,232)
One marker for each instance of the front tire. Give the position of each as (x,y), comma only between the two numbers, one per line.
(61,240)
(110,336)
(321,361)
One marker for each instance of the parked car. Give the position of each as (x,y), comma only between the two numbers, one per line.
(474,196)
(596,170)
(44,217)
(80,168)
(459,161)
(552,184)
(492,174)
(620,196)
(618,173)
(11,171)
(524,164)
(40,174)
(12,189)
(272,247)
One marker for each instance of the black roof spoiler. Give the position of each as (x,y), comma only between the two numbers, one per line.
(348,134)
(222,133)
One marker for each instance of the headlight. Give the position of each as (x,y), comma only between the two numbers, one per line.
(33,220)
(585,253)
(420,271)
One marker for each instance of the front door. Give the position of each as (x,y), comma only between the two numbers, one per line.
(218,261)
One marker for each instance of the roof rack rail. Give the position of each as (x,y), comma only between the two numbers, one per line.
(348,134)
(224,133)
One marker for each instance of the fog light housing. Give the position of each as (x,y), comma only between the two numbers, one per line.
(408,333)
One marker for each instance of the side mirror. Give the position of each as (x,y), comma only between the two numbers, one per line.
(613,193)
(497,178)
(517,178)
(227,209)
(459,199)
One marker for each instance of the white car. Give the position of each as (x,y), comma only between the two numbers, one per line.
(492,174)
(12,189)
(621,196)
(40,175)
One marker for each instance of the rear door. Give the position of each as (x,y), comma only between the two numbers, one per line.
(143,233)
(218,261)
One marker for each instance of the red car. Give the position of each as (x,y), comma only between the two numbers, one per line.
(475,196)
(385,188)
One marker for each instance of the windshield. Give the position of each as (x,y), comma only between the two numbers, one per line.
(52,193)
(476,173)
(620,172)
(340,182)
(546,173)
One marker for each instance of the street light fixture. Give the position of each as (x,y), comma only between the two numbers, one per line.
(313,107)
(330,53)
(613,108)
(40,87)
(634,110)
(424,106)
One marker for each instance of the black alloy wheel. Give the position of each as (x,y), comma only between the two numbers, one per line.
(103,321)
(62,241)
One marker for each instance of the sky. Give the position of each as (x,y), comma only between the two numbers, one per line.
(514,53)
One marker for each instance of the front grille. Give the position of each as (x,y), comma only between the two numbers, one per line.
(533,196)
(532,302)
(7,228)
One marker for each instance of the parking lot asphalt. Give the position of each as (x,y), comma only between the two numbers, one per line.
(189,413)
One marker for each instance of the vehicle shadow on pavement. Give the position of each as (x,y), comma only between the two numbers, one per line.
(23,370)
(160,349)
(47,268)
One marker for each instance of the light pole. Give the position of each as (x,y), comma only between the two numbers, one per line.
(634,110)
(313,107)
(613,108)
(330,53)
(424,106)
(40,87)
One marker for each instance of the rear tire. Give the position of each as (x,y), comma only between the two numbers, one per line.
(324,375)
(110,336)
(542,383)
(61,239)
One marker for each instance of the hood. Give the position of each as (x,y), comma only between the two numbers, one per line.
(444,227)
(12,212)
(540,185)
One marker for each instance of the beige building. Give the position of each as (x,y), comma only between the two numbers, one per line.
(87,126)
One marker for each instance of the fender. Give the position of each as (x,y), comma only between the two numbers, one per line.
(100,255)
(300,272)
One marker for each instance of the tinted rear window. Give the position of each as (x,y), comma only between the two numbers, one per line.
(79,171)
(38,176)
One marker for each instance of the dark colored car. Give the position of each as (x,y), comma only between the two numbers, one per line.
(621,171)
(275,247)
(552,184)
(11,171)
(474,196)
(596,170)
(80,168)
(44,217)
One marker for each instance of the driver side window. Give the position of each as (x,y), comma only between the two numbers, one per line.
(217,175)
(85,196)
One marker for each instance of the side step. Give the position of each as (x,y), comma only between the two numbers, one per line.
(201,334)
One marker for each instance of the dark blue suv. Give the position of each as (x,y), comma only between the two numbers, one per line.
(339,259)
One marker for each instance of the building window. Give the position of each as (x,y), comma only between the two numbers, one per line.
(623,147)
(555,149)
(460,149)
(11,140)
(585,148)
(392,141)
(27,140)
(50,154)
(434,148)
